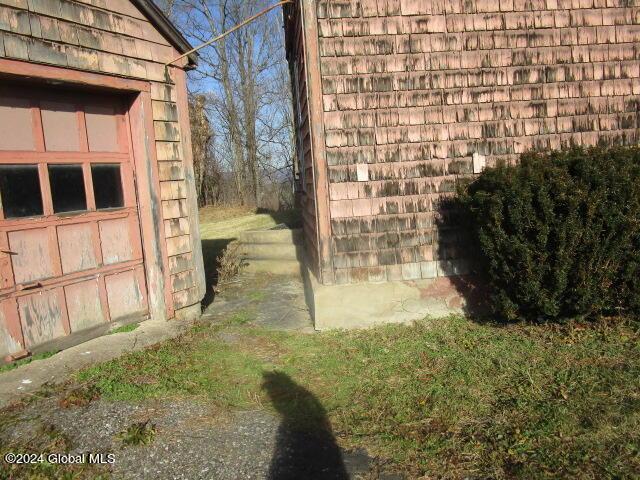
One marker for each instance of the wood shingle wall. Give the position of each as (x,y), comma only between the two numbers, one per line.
(413,89)
(113,37)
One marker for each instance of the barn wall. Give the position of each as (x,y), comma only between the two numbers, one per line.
(113,37)
(413,89)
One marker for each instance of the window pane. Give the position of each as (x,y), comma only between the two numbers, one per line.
(67,188)
(20,191)
(107,186)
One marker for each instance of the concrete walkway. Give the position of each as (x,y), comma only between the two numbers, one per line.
(276,302)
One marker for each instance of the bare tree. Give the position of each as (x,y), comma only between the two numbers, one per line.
(207,171)
(167,7)
(244,81)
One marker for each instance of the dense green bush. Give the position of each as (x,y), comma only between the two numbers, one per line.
(559,233)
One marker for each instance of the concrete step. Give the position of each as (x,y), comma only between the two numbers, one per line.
(271,251)
(285,236)
(276,267)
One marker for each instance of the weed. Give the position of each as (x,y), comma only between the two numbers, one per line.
(124,328)
(139,433)
(230,264)
(80,396)
(55,439)
(257,296)
(240,318)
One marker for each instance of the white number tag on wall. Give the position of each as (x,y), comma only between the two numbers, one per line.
(479,163)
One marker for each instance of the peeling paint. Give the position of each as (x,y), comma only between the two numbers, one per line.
(41,317)
(115,237)
(32,260)
(124,295)
(84,305)
(8,344)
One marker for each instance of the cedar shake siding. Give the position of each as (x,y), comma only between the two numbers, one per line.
(415,91)
(115,37)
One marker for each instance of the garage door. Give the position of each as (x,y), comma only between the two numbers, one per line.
(70,247)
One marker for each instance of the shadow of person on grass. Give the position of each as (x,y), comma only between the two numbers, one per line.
(305,445)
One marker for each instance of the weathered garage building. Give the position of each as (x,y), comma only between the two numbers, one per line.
(396,99)
(98,220)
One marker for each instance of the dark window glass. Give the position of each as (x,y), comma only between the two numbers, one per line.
(107,186)
(20,191)
(67,188)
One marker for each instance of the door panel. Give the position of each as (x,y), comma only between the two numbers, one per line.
(70,244)
(6,273)
(102,128)
(126,293)
(15,124)
(41,316)
(31,255)
(84,306)
(60,125)
(77,247)
(115,239)
(10,329)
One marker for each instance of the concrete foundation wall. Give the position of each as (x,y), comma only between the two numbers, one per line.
(368,304)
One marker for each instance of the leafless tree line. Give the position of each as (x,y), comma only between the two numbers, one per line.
(241,120)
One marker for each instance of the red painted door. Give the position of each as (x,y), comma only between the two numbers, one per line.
(70,248)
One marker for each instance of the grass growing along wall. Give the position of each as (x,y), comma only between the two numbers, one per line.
(23,361)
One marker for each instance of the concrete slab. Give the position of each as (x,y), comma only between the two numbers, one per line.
(271,301)
(283,236)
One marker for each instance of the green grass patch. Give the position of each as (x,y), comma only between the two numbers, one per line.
(24,361)
(447,398)
(198,363)
(139,433)
(240,318)
(257,296)
(125,328)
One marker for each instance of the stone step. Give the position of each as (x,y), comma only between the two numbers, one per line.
(276,267)
(285,236)
(270,251)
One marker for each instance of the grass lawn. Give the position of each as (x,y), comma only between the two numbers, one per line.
(447,398)
(228,222)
